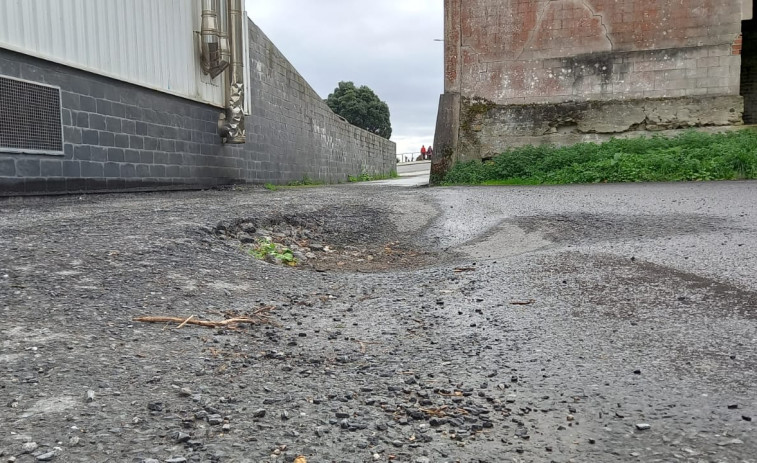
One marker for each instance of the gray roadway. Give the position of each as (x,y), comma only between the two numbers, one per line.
(590,323)
(643,311)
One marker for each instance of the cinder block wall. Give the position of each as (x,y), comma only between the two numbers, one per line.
(526,70)
(292,132)
(119,136)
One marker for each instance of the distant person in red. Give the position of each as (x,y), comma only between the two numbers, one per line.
(429,152)
(423,152)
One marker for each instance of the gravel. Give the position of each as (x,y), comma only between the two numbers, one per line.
(533,324)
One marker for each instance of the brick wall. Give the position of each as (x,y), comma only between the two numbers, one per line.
(681,55)
(120,136)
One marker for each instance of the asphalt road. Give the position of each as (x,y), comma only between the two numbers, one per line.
(596,323)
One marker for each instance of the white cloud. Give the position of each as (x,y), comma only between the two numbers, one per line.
(387,45)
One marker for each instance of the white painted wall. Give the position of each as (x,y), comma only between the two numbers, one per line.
(150,43)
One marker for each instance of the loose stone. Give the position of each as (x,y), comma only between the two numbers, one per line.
(46,456)
(731,442)
(155,406)
(179,436)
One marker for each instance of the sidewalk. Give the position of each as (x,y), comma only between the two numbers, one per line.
(411,174)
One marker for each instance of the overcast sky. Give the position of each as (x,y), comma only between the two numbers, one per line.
(387,45)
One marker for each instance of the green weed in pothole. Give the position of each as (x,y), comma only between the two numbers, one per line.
(270,251)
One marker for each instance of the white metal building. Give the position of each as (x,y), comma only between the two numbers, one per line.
(152,43)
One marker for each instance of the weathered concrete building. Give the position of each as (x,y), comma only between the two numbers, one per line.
(562,71)
(105,95)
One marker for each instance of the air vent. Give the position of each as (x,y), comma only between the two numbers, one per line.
(29,117)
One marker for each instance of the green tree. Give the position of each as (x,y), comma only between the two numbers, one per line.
(361,107)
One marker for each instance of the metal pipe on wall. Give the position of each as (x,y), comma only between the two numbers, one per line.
(214,59)
(231,123)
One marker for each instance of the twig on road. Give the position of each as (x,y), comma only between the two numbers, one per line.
(185,322)
(189,321)
(259,316)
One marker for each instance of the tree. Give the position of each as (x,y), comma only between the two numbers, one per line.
(361,107)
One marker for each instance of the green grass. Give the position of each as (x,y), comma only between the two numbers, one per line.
(265,248)
(366,177)
(689,156)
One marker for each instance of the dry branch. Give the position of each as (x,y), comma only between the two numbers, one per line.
(259,316)
(185,322)
(189,321)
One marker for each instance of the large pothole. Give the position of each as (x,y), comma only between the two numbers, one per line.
(332,239)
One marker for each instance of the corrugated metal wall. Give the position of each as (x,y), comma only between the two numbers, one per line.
(147,42)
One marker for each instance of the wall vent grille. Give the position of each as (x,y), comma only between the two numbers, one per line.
(30,117)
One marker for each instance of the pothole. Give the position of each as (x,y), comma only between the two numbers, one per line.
(334,239)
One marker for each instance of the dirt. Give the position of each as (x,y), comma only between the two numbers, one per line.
(390,342)
(357,239)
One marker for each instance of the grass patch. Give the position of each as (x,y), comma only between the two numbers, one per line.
(266,249)
(366,177)
(689,156)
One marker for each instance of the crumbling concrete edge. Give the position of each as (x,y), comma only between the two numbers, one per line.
(446,136)
(471,129)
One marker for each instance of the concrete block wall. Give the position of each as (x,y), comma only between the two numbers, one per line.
(292,131)
(119,136)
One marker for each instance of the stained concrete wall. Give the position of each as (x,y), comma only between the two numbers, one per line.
(118,136)
(526,69)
